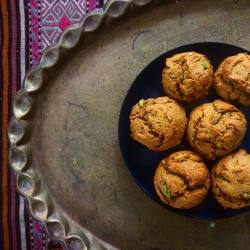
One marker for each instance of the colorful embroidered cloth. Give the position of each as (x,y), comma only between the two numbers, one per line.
(27,27)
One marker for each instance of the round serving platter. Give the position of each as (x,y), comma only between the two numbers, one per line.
(141,161)
(64,134)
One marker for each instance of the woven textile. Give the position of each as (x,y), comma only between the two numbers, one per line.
(27,27)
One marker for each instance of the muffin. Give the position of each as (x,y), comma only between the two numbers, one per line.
(182,180)
(231,180)
(215,129)
(187,76)
(232,79)
(158,123)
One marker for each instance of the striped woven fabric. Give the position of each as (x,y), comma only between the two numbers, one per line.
(27,27)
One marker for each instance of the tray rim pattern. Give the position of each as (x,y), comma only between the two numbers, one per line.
(40,203)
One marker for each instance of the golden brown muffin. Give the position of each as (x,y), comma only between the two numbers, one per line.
(158,123)
(182,180)
(232,79)
(231,180)
(215,129)
(187,76)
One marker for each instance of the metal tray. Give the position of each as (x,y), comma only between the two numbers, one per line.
(64,138)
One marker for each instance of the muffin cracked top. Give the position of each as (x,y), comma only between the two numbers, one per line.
(215,129)
(158,123)
(182,180)
(232,79)
(231,180)
(187,76)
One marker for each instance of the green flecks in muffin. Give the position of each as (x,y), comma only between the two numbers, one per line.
(166,191)
(141,103)
(204,65)
(246,196)
(180,157)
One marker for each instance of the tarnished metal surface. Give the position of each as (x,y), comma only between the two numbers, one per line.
(64,140)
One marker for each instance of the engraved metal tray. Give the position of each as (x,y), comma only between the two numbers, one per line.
(64,139)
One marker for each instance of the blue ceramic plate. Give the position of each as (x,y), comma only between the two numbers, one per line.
(142,162)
